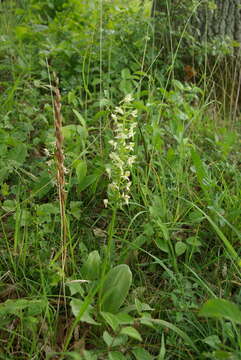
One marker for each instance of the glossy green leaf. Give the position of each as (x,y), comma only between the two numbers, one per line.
(116,288)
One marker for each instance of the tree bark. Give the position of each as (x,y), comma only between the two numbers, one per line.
(212,19)
(222,20)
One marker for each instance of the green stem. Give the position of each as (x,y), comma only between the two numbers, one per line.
(108,252)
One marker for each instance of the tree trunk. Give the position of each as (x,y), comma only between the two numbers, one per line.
(212,19)
(222,20)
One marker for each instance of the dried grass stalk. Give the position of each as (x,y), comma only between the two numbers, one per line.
(59,154)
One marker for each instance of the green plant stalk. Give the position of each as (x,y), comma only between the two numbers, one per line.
(17,231)
(85,305)
(110,244)
(108,252)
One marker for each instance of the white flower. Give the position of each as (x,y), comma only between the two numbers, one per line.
(105,201)
(119,128)
(119,110)
(131,134)
(113,143)
(134,113)
(126,176)
(113,186)
(128,186)
(121,155)
(117,160)
(128,98)
(131,160)
(122,136)
(46,152)
(114,117)
(126,198)
(130,146)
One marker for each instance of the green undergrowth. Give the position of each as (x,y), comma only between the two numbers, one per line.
(152,191)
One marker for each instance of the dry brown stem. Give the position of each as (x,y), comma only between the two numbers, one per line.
(59,154)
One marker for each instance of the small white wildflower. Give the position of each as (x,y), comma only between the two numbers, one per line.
(105,201)
(113,143)
(131,160)
(114,117)
(131,134)
(130,146)
(49,163)
(117,160)
(46,152)
(128,185)
(119,110)
(119,128)
(122,136)
(126,198)
(126,176)
(128,98)
(134,113)
(113,186)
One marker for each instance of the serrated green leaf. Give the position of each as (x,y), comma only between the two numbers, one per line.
(220,308)
(131,332)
